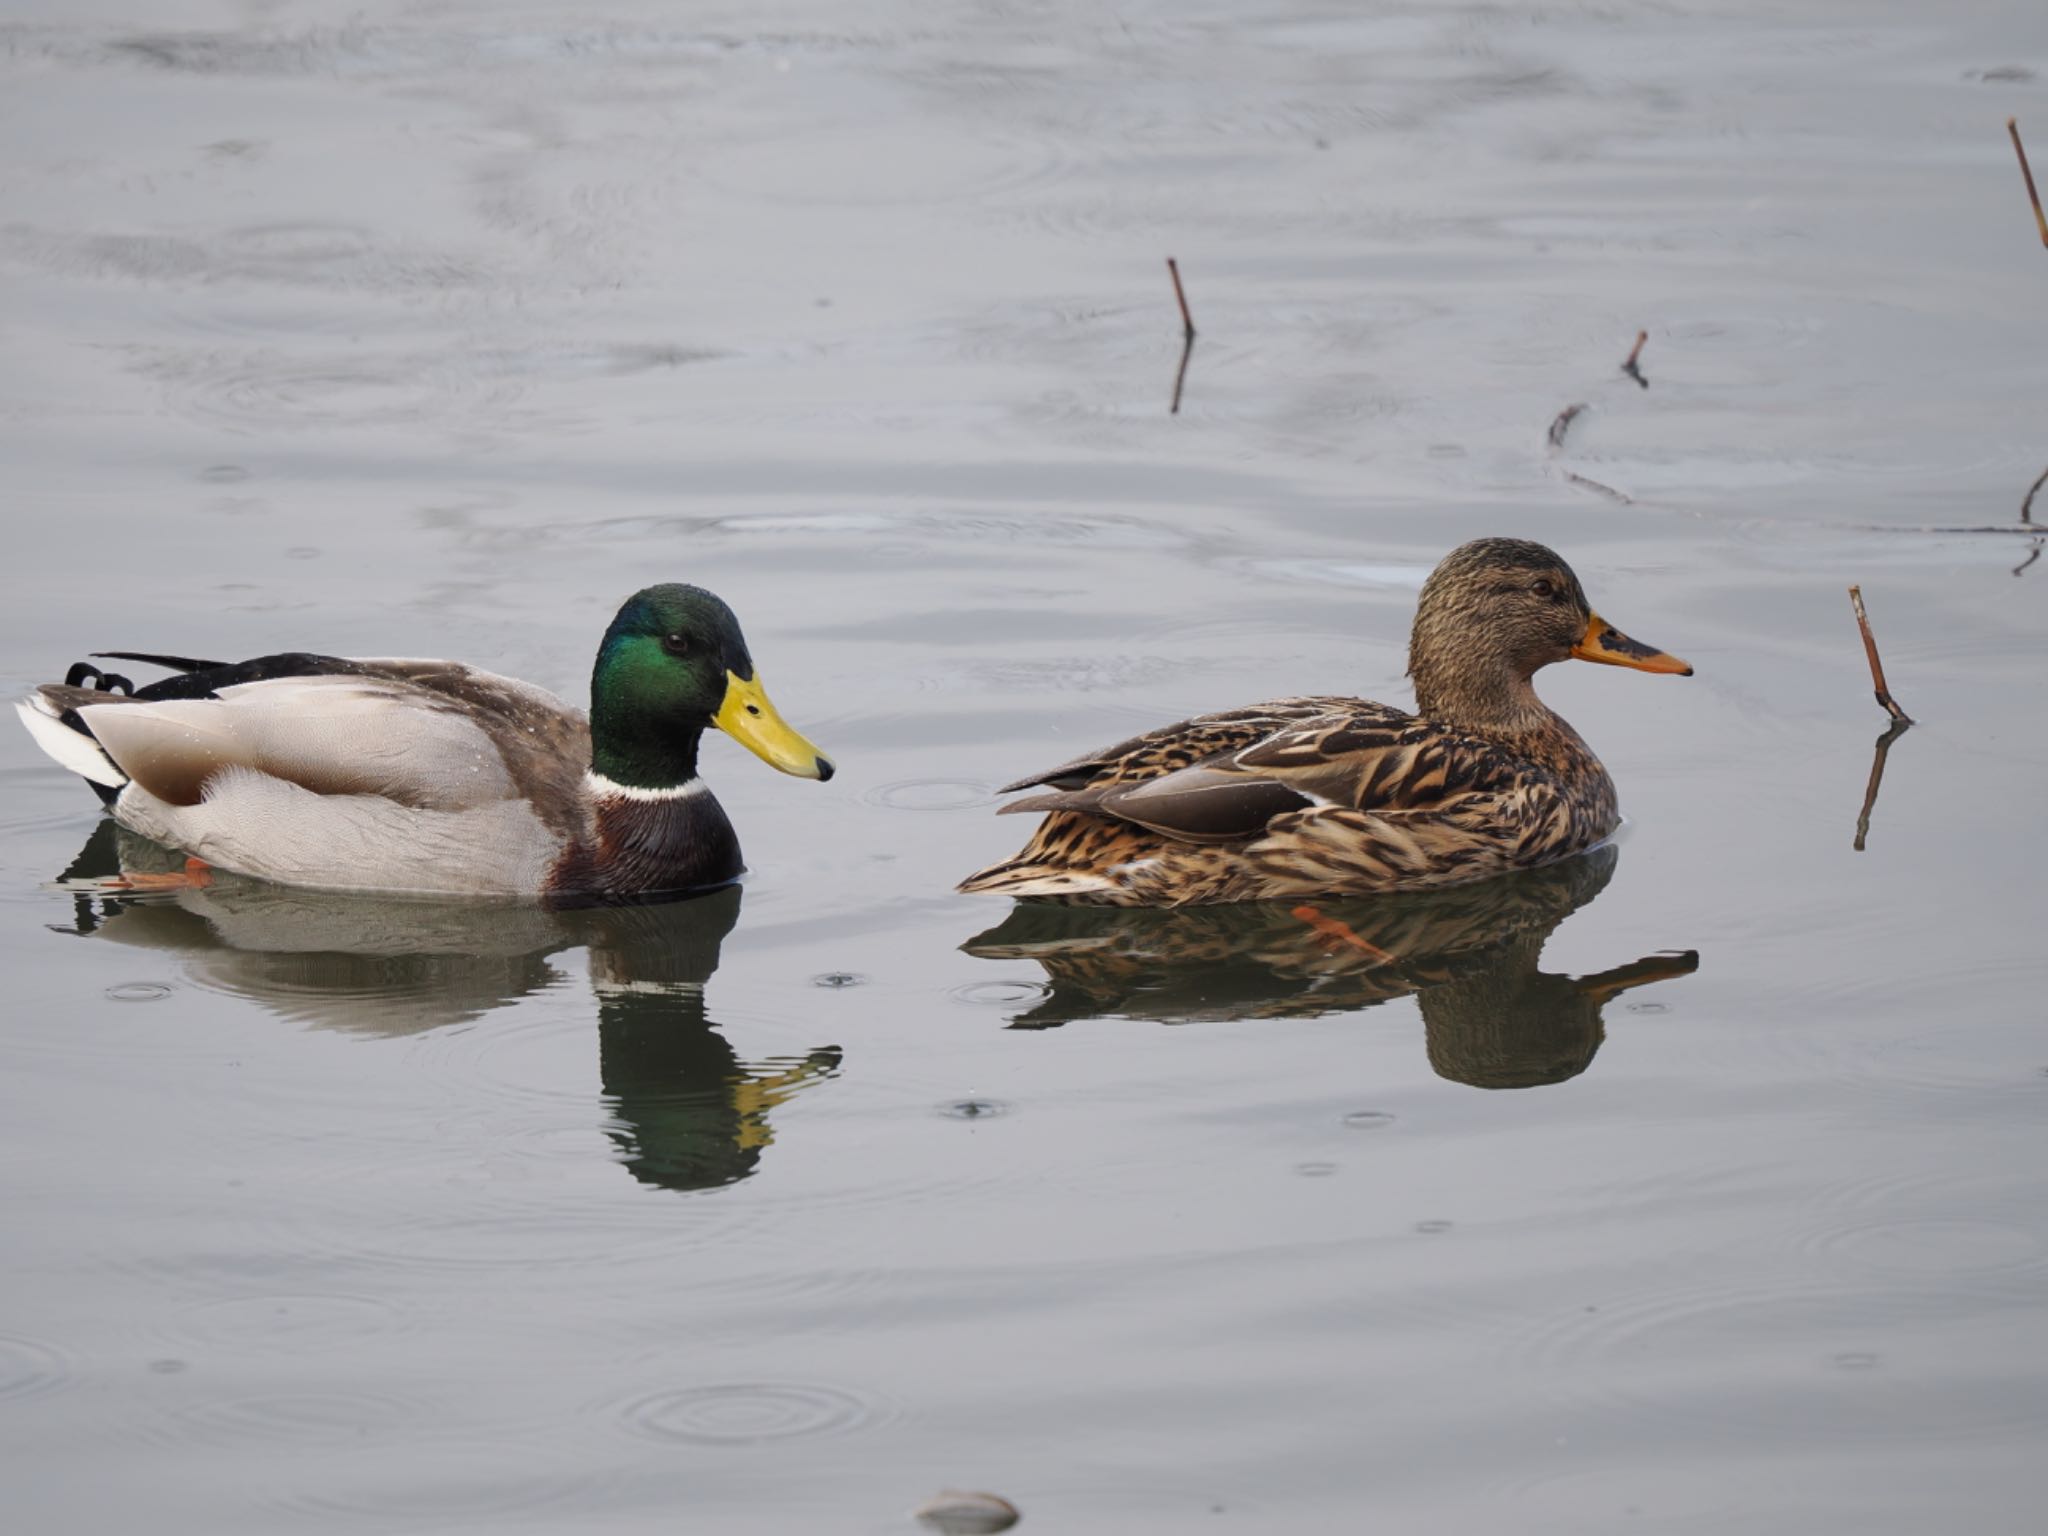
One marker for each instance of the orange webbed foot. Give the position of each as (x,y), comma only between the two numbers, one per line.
(1332,933)
(196,875)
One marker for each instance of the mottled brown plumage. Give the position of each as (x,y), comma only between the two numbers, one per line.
(1337,796)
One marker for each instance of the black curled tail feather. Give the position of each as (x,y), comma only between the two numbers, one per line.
(173,663)
(83,674)
(195,679)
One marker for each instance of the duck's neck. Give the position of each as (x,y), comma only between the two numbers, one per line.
(1499,703)
(652,826)
(625,753)
(1495,701)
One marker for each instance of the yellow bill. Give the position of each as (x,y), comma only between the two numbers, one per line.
(1602,642)
(749,719)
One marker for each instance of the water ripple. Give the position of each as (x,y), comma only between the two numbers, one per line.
(752,1413)
(1001,994)
(291,1324)
(138,992)
(446,1483)
(1951,1247)
(931,795)
(29,1369)
(324,1418)
(1727,1356)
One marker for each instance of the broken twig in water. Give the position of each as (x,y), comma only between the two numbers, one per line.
(1563,423)
(2032,555)
(1630,363)
(1891,734)
(1884,694)
(2027,502)
(1605,490)
(1900,719)
(2028,530)
(1187,321)
(1187,332)
(2012,126)
(1180,375)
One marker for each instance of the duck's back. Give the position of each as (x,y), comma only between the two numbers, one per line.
(378,773)
(1187,742)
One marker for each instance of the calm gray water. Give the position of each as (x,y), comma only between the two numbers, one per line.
(438,328)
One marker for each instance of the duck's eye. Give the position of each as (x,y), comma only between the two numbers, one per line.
(1544,589)
(676,645)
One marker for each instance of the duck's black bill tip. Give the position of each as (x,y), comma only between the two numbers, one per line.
(825,768)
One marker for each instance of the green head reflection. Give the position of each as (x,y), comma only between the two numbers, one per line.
(689,1113)
(680,1105)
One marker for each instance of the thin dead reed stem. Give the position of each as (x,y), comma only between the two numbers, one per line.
(1631,365)
(2027,502)
(1187,321)
(1884,694)
(2012,126)
(1563,423)
(1892,733)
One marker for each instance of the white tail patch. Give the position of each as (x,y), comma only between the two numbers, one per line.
(73,748)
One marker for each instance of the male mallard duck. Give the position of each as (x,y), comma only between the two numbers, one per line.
(1336,796)
(431,776)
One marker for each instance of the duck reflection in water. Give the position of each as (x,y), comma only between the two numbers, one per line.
(687,1112)
(1468,954)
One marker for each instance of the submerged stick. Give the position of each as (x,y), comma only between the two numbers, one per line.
(1884,694)
(1187,321)
(1180,375)
(1563,423)
(1603,489)
(1629,364)
(2012,126)
(1892,733)
(2027,503)
(1187,334)
(2027,530)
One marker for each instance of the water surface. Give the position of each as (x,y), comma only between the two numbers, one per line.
(1695,1186)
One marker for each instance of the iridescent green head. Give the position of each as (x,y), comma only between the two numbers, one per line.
(674,664)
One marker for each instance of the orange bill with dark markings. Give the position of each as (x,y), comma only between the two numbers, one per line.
(1602,642)
(1639,973)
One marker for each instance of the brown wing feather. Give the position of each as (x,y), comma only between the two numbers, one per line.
(1208,803)
(1184,742)
(1368,758)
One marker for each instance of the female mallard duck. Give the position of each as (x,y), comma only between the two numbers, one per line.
(431,776)
(1335,796)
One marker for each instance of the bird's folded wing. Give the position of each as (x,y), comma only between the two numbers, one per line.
(334,735)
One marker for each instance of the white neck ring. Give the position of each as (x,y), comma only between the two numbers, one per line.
(601,788)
